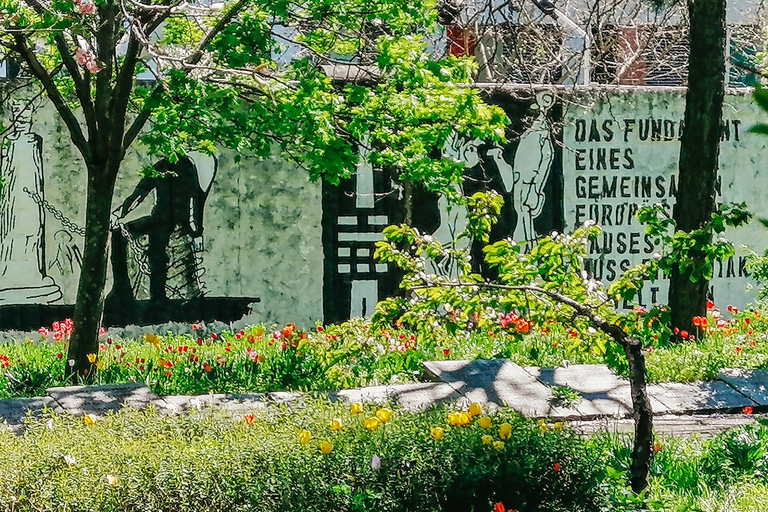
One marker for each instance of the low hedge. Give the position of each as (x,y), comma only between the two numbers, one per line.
(211,460)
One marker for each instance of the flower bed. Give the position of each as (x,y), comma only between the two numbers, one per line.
(322,457)
(356,353)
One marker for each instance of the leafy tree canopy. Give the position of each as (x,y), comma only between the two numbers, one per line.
(217,79)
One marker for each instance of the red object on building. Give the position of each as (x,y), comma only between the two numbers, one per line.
(633,42)
(461,42)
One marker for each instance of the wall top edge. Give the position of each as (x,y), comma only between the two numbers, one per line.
(596,88)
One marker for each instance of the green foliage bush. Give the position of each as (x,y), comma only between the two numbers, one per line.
(206,460)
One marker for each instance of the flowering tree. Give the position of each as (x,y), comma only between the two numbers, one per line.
(220,77)
(542,285)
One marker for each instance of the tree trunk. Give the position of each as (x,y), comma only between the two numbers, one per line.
(642,452)
(699,147)
(408,200)
(90,291)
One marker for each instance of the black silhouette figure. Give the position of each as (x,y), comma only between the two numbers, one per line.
(547,7)
(174,230)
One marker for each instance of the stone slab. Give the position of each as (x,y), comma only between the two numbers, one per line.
(285,397)
(501,382)
(99,400)
(603,392)
(750,383)
(175,404)
(698,398)
(413,397)
(669,424)
(14,410)
(244,403)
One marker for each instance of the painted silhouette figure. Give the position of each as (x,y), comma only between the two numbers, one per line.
(525,179)
(23,276)
(174,231)
(453,217)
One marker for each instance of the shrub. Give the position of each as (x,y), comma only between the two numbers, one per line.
(206,460)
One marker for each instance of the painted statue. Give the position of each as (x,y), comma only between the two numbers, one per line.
(526,177)
(23,266)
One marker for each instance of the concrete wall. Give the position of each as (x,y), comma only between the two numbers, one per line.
(304,250)
(621,152)
(261,231)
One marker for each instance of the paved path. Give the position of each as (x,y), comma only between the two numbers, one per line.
(599,398)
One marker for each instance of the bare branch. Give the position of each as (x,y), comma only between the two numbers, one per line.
(46,79)
(220,25)
(82,86)
(580,309)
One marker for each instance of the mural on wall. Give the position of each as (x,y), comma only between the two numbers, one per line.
(157,248)
(156,271)
(524,180)
(453,217)
(354,214)
(214,234)
(164,245)
(24,275)
(622,153)
(527,172)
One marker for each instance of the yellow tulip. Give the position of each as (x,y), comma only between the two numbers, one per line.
(543,427)
(91,358)
(458,419)
(558,425)
(487,439)
(485,422)
(89,419)
(437,433)
(371,423)
(154,339)
(475,410)
(336,424)
(326,447)
(356,407)
(499,445)
(384,414)
(99,365)
(505,431)
(305,436)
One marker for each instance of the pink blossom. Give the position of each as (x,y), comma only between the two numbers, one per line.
(92,66)
(82,57)
(87,8)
